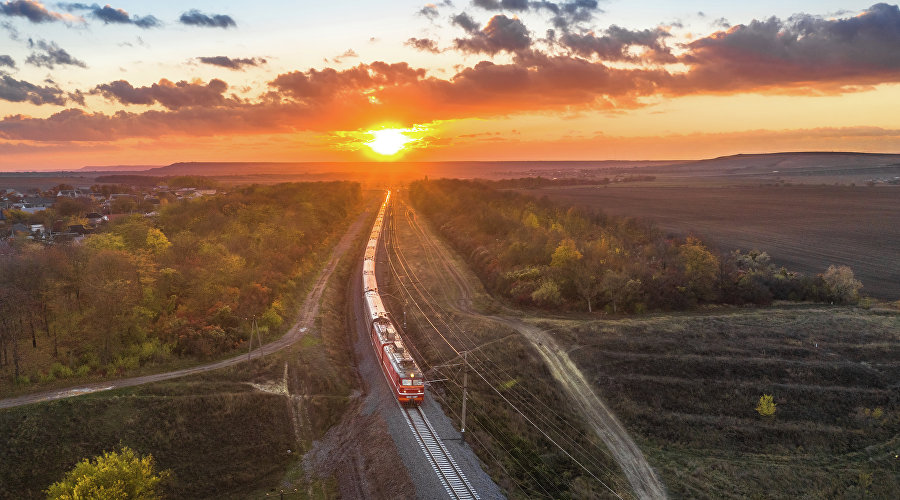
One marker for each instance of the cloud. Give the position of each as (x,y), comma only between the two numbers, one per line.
(518,5)
(232,63)
(53,55)
(423,44)
(615,44)
(196,18)
(465,22)
(20,91)
(802,52)
(110,15)
(501,33)
(33,11)
(348,54)
(320,86)
(430,11)
(565,14)
(7,61)
(168,94)
(721,23)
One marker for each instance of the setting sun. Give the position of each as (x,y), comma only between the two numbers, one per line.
(389,141)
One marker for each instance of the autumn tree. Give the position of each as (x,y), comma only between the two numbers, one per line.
(843,287)
(701,269)
(113,475)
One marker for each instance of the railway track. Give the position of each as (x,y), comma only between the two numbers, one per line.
(451,476)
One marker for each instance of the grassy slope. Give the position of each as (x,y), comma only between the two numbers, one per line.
(686,387)
(221,437)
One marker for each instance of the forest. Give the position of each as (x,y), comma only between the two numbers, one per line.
(538,253)
(183,283)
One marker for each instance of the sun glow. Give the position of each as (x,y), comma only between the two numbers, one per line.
(389,141)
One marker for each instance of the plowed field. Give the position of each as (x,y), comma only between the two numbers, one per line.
(805,228)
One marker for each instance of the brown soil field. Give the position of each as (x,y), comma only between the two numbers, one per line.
(804,228)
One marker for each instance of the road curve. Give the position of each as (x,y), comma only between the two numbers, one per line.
(305,320)
(644,480)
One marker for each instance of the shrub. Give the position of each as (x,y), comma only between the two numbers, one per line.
(766,406)
(112,475)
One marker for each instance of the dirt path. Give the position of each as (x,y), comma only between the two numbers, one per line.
(645,482)
(304,322)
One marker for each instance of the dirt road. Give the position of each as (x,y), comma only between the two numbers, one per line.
(644,480)
(304,322)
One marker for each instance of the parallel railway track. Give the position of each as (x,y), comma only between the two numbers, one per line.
(451,476)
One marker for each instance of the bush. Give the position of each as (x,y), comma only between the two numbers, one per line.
(766,406)
(60,370)
(112,475)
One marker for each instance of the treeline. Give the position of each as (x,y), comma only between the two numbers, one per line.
(184,283)
(173,182)
(541,182)
(538,253)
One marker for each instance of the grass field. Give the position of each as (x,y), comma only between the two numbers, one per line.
(805,228)
(687,387)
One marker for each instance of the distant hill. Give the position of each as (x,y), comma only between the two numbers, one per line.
(798,164)
(810,166)
(116,168)
(466,169)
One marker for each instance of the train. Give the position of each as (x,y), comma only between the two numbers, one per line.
(397,365)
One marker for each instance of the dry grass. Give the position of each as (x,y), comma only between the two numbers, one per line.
(686,386)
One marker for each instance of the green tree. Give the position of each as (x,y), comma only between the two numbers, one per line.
(112,476)
(765,407)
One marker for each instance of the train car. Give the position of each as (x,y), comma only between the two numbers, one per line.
(398,367)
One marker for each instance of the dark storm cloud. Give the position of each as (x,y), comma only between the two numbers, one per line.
(196,18)
(615,44)
(31,10)
(232,63)
(168,94)
(50,55)
(111,15)
(803,48)
(21,91)
(423,44)
(7,61)
(501,33)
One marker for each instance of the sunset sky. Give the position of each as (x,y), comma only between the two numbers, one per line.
(152,83)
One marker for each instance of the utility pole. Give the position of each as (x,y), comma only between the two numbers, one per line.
(465,387)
